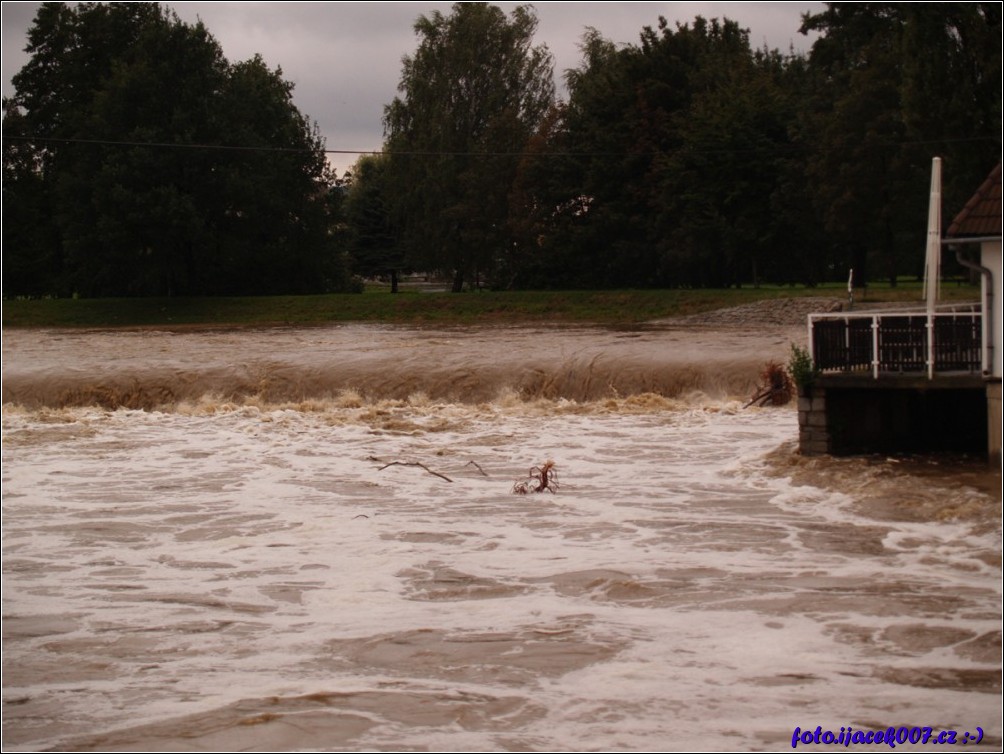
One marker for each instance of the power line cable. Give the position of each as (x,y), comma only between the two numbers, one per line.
(457,153)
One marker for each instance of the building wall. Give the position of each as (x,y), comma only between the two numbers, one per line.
(991,259)
(994,419)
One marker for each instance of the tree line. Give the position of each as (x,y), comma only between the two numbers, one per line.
(687,159)
(138,161)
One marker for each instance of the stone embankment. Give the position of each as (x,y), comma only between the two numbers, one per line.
(777,312)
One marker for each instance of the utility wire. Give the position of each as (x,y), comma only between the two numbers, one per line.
(237,148)
(175,145)
(458,153)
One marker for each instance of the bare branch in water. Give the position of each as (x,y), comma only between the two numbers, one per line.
(540,478)
(475,465)
(415,463)
(776,386)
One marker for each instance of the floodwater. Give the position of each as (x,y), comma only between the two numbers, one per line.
(307,538)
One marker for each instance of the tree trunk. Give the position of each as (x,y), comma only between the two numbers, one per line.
(393,281)
(458,281)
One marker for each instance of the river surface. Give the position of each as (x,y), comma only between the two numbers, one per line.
(308,539)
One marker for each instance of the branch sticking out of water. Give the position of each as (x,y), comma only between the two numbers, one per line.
(776,386)
(540,478)
(415,463)
(478,467)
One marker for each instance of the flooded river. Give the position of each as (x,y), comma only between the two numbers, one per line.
(307,538)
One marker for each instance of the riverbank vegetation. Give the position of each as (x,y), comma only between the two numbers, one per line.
(622,307)
(140,162)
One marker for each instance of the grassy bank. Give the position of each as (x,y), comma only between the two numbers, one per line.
(409,307)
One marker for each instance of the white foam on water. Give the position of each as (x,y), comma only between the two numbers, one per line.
(197,578)
(309,540)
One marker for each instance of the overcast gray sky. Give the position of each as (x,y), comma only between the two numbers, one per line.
(345,58)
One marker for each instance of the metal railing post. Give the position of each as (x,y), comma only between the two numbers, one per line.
(930,346)
(875,346)
(812,339)
(847,344)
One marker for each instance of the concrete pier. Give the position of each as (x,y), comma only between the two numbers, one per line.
(846,415)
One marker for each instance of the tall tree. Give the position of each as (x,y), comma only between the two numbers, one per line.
(277,195)
(894,85)
(472,95)
(374,240)
(716,176)
(667,160)
(690,159)
(155,166)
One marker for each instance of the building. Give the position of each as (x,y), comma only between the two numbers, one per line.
(979,225)
(912,381)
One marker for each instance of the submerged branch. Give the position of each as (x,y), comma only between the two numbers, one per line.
(478,467)
(540,478)
(415,463)
(776,387)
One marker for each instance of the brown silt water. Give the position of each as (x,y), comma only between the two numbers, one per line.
(307,539)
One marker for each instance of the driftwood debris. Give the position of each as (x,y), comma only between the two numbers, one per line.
(422,466)
(776,386)
(539,478)
(478,467)
(415,463)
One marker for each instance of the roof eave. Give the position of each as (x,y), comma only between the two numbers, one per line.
(968,239)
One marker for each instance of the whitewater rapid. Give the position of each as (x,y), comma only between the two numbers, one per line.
(161,369)
(341,564)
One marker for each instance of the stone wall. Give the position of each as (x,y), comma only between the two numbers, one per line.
(853,416)
(994,419)
(813,432)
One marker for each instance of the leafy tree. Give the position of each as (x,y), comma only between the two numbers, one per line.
(32,252)
(690,159)
(667,160)
(712,200)
(153,164)
(576,182)
(894,85)
(279,197)
(374,239)
(473,94)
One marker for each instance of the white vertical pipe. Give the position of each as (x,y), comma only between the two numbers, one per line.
(932,265)
(932,269)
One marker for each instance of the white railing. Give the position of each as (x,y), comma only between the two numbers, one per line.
(898,342)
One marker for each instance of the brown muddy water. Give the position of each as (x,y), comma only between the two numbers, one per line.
(306,539)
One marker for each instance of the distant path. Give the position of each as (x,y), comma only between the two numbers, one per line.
(774,312)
